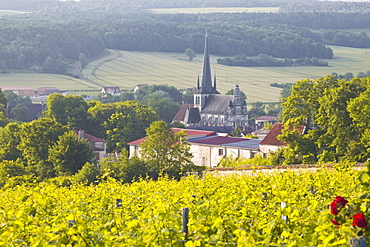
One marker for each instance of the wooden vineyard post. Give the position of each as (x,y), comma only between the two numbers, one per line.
(185,221)
(357,242)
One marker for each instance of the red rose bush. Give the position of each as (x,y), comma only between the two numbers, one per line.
(339,203)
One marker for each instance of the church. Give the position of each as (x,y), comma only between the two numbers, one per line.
(210,108)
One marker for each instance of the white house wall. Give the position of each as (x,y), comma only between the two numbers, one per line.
(269,148)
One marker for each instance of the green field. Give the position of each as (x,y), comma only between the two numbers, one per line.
(214,10)
(37,80)
(127,69)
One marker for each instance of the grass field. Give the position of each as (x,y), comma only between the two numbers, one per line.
(36,80)
(214,10)
(127,69)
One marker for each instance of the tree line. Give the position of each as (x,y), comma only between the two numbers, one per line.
(263,60)
(51,44)
(334,114)
(50,146)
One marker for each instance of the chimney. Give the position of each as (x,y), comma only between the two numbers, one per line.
(81,134)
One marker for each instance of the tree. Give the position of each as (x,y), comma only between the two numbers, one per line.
(70,153)
(123,122)
(188,97)
(359,111)
(3,119)
(165,151)
(322,109)
(87,174)
(242,94)
(338,138)
(257,110)
(3,102)
(127,96)
(10,138)
(10,168)
(190,53)
(237,131)
(20,113)
(37,137)
(123,168)
(70,110)
(164,107)
(83,60)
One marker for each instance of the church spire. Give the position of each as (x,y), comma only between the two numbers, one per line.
(206,86)
(207,76)
(214,83)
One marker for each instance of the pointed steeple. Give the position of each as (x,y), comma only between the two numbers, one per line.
(206,86)
(198,84)
(214,84)
(207,76)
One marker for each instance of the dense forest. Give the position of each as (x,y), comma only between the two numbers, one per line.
(50,40)
(263,60)
(50,43)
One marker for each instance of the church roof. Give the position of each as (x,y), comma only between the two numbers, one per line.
(193,115)
(180,115)
(217,104)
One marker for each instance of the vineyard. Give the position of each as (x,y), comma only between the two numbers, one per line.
(281,209)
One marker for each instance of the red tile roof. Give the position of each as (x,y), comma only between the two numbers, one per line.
(91,138)
(189,132)
(137,142)
(271,137)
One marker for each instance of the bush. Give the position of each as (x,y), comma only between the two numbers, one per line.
(123,169)
(9,169)
(24,180)
(88,174)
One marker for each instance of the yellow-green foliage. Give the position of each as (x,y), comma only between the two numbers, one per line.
(257,160)
(238,210)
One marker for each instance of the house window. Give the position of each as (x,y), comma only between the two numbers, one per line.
(221,151)
(203,161)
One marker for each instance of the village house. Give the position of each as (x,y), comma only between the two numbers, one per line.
(115,91)
(208,147)
(271,143)
(261,121)
(210,151)
(139,86)
(44,91)
(98,145)
(25,91)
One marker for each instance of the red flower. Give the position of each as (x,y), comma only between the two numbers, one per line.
(359,220)
(337,205)
(335,222)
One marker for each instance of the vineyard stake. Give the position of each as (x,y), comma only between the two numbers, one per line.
(185,221)
(284,217)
